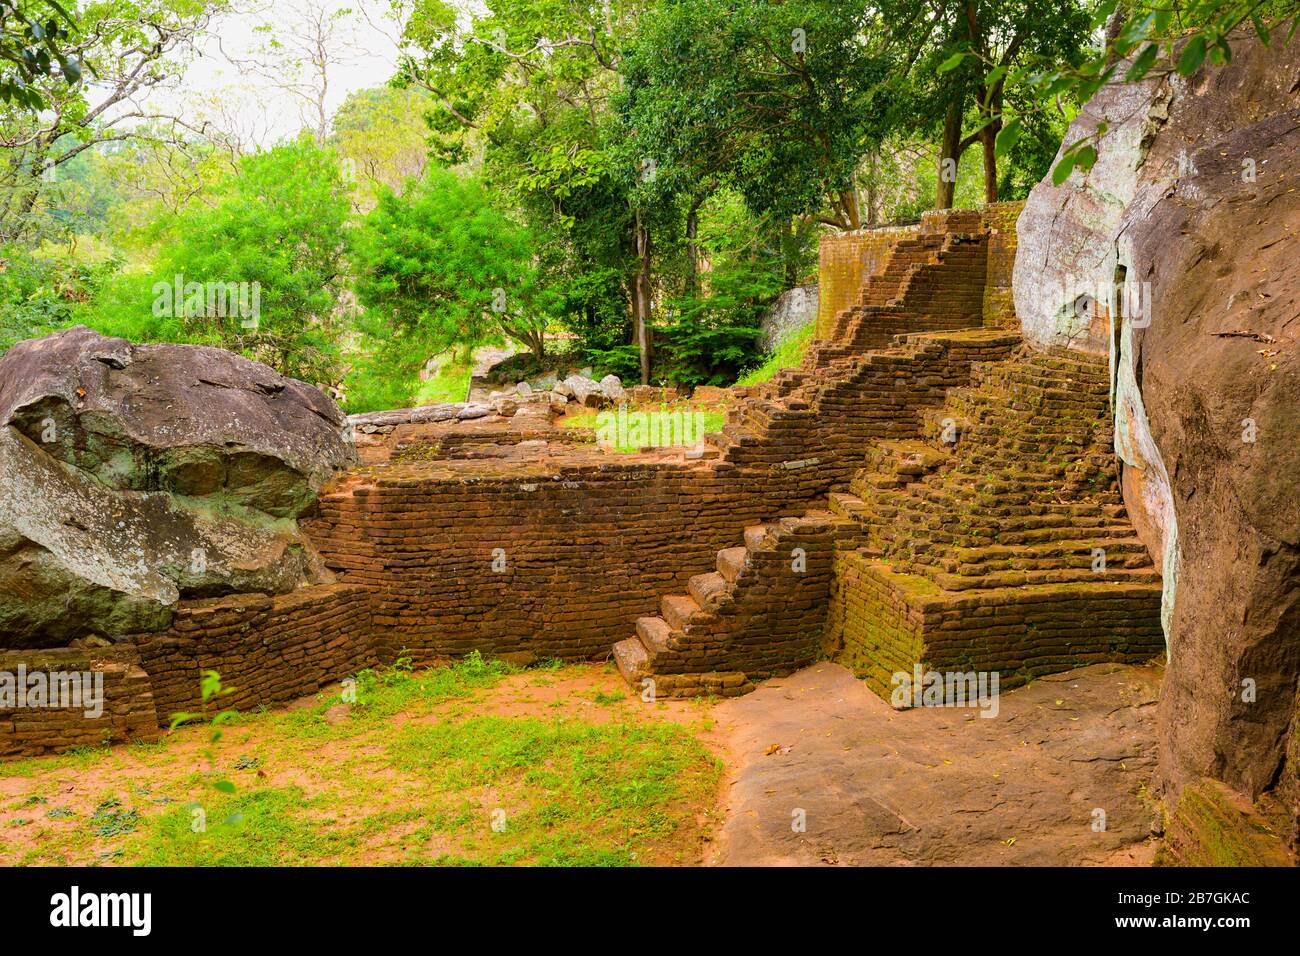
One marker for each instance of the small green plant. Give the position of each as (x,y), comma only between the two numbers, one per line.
(211,688)
(111,819)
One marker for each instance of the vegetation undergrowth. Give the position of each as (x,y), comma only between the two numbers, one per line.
(788,353)
(473,763)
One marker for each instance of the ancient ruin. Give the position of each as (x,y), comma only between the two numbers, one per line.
(984,464)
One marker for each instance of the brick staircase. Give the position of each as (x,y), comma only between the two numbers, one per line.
(758,614)
(999,540)
(972,497)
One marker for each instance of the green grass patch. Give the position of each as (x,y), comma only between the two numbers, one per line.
(449,384)
(402,768)
(788,354)
(713,422)
(564,792)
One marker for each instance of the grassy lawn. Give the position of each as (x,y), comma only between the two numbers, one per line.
(470,764)
(448,384)
(713,422)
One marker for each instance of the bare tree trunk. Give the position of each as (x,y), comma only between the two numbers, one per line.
(873,191)
(692,249)
(641,296)
(849,202)
(1113,27)
(949,156)
(988,140)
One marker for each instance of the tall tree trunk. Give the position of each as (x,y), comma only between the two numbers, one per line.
(1113,27)
(641,296)
(692,250)
(988,140)
(790,240)
(873,191)
(849,203)
(949,147)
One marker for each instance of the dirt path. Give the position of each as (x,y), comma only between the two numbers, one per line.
(940,786)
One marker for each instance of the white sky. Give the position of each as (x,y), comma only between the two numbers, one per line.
(260,110)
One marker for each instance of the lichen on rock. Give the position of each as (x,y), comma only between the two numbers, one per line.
(132,476)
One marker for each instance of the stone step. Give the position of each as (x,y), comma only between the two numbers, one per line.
(706,586)
(677,609)
(632,660)
(654,633)
(1052,549)
(731,562)
(754,536)
(1012,579)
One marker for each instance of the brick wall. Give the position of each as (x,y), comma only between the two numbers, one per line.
(589,541)
(1000,221)
(846,260)
(267,649)
(888,622)
(128,705)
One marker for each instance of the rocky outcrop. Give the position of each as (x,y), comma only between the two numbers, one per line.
(134,475)
(1175,256)
(792,311)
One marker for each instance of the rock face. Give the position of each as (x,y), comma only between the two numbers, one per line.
(792,310)
(131,476)
(1190,217)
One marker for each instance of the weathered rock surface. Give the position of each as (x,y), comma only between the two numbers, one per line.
(940,785)
(131,476)
(611,386)
(582,390)
(183,419)
(1192,212)
(792,311)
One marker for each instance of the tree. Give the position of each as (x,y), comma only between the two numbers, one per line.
(33,37)
(439,266)
(381,133)
(301,47)
(522,87)
(129,47)
(271,237)
(777,101)
(990,46)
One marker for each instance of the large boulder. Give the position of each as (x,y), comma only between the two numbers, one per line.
(185,419)
(794,310)
(1175,256)
(132,476)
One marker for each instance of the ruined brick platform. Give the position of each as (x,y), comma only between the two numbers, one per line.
(919,490)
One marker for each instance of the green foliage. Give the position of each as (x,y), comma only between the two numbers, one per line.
(33,35)
(278,224)
(441,266)
(382,132)
(788,353)
(776,101)
(714,336)
(40,292)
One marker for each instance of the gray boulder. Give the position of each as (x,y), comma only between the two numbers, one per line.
(133,476)
(583,390)
(611,386)
(183,419)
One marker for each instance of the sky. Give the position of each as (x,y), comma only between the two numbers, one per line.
(255,106)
